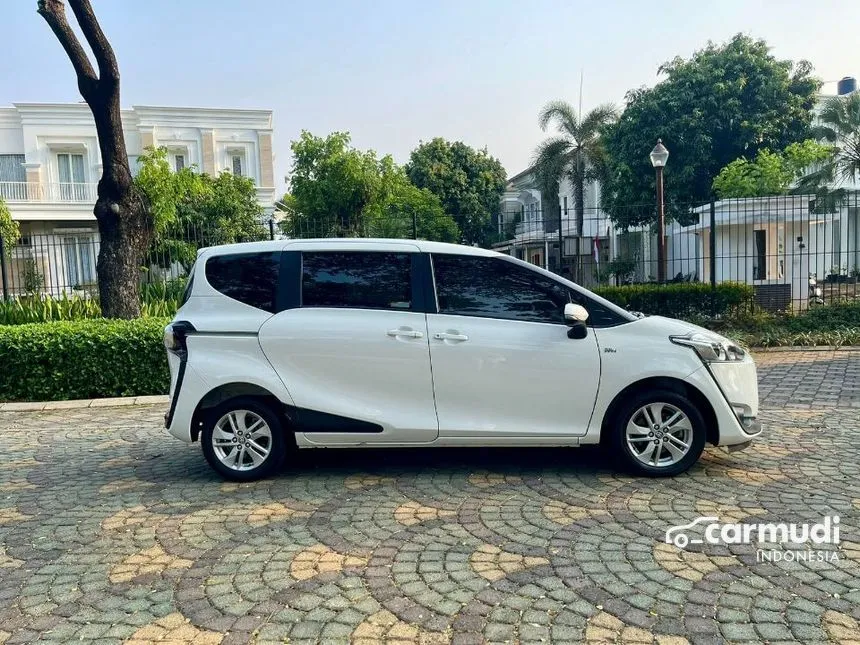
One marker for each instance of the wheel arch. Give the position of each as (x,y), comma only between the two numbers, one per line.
(668,383)
(228,391)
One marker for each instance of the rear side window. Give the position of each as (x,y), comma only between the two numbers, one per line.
(250,278)
(360,280)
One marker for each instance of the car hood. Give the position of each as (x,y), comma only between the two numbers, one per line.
(661,326)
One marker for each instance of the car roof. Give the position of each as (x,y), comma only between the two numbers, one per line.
(339,243)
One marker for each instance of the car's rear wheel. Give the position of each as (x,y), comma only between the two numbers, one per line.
(243,439)
(658,433)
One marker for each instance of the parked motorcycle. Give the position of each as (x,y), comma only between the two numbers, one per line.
(815,293)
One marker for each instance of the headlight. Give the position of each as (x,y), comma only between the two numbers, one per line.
(710,348)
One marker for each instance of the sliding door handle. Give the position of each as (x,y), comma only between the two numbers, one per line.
(450,336)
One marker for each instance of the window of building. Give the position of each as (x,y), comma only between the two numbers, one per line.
(236,161)
(361,280)
(760,265)
(178,162)
(12,168)
(79,256)
(12,177)
(250,278)
(494,288)
(70,171)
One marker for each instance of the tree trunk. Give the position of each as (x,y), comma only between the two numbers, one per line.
(125,225)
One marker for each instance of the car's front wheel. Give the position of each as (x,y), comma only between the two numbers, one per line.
(243,439)
(658,433)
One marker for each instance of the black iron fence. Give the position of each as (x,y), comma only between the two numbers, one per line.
(796,251)
(60,260)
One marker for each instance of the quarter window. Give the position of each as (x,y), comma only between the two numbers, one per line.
(250,278)
(360,280)
(495,288)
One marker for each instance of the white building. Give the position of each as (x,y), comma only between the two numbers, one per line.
(50,165)
(530,223)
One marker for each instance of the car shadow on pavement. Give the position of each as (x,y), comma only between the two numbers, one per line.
(590,459)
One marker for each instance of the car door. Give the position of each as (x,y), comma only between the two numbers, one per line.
(503,364)
(353,350)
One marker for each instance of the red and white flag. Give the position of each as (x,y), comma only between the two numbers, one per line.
(596,248)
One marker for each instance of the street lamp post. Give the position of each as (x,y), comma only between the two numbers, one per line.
(659,155)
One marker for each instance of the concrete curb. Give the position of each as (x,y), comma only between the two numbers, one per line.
(122,401)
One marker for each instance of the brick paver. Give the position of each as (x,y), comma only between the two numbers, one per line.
(112,531)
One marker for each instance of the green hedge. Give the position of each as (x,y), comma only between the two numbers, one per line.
(83,359)
(682,299)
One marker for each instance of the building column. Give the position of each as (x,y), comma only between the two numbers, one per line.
(34,181)
(147,137)
(209,151)
(267,170)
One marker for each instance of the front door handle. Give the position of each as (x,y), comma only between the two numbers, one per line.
(443,335)
(405,333)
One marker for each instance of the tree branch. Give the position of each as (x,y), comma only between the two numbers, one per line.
(102,50)
(53,11)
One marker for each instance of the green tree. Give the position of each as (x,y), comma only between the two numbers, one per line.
(770,173)
(337,190)
(331,186)
(469,183)
(192,209)
(406,211)
(8,228)
(725,102)
(576,153)
(839,125)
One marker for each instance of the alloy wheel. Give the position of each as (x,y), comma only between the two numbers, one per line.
(659,434)
(242,440)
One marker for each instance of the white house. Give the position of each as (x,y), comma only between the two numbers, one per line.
(772,243)
(530,225)
(50,165)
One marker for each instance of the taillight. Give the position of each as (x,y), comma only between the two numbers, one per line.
(175,335)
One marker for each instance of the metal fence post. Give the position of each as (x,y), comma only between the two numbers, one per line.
(414,225)
(271,228)
(3,268)
(712,260)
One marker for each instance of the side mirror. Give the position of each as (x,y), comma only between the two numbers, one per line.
(574,314)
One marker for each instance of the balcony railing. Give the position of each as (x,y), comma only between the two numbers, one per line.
(60,192)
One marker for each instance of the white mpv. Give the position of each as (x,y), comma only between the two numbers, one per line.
(371,343)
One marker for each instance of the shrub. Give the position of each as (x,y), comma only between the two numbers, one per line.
(157,301)
(83,359)
(681,300)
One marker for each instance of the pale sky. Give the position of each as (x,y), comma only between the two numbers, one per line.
(396,72)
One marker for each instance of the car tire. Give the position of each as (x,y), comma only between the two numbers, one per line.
(243,439)
(645,443)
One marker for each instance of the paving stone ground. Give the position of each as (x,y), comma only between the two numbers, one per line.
(111,531)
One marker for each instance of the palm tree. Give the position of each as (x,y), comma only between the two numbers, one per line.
(576,153)
(839,125)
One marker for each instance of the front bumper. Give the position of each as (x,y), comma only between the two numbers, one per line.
(732,389)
